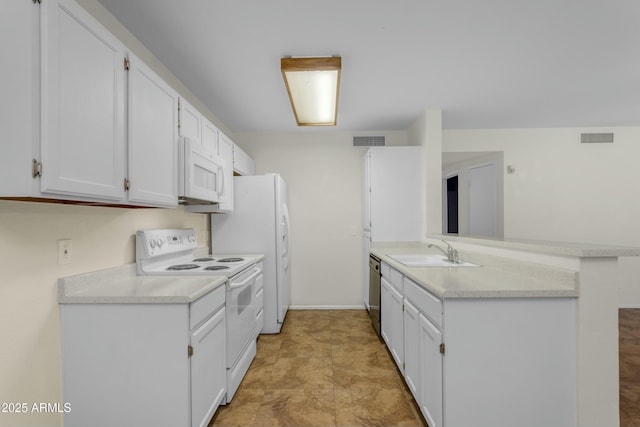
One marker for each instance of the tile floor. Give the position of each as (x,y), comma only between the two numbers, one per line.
(326,368)
(629,351)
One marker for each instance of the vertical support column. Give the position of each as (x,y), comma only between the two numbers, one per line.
(432,149)
(426,131)
(597,364)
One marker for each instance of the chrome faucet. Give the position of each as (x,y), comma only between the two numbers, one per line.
(452,254)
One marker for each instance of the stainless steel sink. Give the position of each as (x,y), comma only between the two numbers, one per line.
(426,260)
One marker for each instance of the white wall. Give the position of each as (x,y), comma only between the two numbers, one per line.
(324,174)
(29,324)
(566,191)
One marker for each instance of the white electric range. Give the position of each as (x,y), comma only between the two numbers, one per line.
(170,252)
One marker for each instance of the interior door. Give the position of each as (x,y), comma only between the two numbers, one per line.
(483,200)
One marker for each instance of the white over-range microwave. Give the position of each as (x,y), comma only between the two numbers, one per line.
(201,177)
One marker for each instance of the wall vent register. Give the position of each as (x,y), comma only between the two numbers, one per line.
(596,138)
(369,141)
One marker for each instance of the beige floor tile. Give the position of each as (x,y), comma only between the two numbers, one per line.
(296,408)
(301,373)
(386,407)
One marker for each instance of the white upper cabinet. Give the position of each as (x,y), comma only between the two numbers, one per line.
(153,138)
(19,109)
(83,104)
(225,152)
(242,163)
(190,122)
(82,127)
(209,135)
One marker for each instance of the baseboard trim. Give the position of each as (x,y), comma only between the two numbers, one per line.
(326,307)
(629,306)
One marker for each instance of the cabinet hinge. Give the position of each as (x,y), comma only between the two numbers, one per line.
(127,184)
(442,348)
(402,307)
(179,114)
(189,351)
(37,1)
(36,168)
(126,63)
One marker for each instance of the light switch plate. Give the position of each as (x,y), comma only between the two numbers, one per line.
(64,251)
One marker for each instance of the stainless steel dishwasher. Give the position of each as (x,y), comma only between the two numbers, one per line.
(374,292)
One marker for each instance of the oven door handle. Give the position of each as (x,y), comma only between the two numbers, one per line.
(245,281)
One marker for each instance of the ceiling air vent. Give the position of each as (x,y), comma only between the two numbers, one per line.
(368,141)
(596,138)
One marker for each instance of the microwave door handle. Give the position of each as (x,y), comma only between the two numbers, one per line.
(220,180)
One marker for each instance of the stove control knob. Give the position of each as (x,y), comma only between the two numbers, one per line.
(160,242)
(152,243)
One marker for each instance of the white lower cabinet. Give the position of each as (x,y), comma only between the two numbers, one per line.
(391,313)
(161,365)
(412,349)
(430,372)
(386,306)
(483,362)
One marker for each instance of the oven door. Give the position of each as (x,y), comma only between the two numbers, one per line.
(240,312)
(200,174)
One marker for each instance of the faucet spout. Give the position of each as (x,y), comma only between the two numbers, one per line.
(450,252)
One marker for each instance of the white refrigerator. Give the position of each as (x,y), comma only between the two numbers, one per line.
(392,200)
(260,224)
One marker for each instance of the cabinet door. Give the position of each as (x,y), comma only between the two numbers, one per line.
(83,104)
(242,163)
(210,136)
(225,146)
(412,348)
(208,369)
(397,328)
(386,310)
(153,139)
(430,372)
(190,122)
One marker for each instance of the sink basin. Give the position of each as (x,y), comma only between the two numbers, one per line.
(425,260)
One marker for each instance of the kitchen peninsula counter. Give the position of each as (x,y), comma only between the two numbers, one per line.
(122,285)
(493,278)
(524,271)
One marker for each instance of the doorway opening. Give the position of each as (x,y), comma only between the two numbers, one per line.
(451,204)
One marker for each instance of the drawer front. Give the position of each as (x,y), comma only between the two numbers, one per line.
(396,279)
(385,270)
(425,302)
(205,306)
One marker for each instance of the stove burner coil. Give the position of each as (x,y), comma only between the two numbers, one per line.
(183,267)
(231,260)
(217,267)
(203,259)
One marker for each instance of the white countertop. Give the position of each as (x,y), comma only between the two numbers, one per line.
(575,249)
(121,285)
(494,278)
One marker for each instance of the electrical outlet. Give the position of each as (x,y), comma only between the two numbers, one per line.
(64,251)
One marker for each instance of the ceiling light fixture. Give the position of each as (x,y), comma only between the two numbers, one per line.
(313,85)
